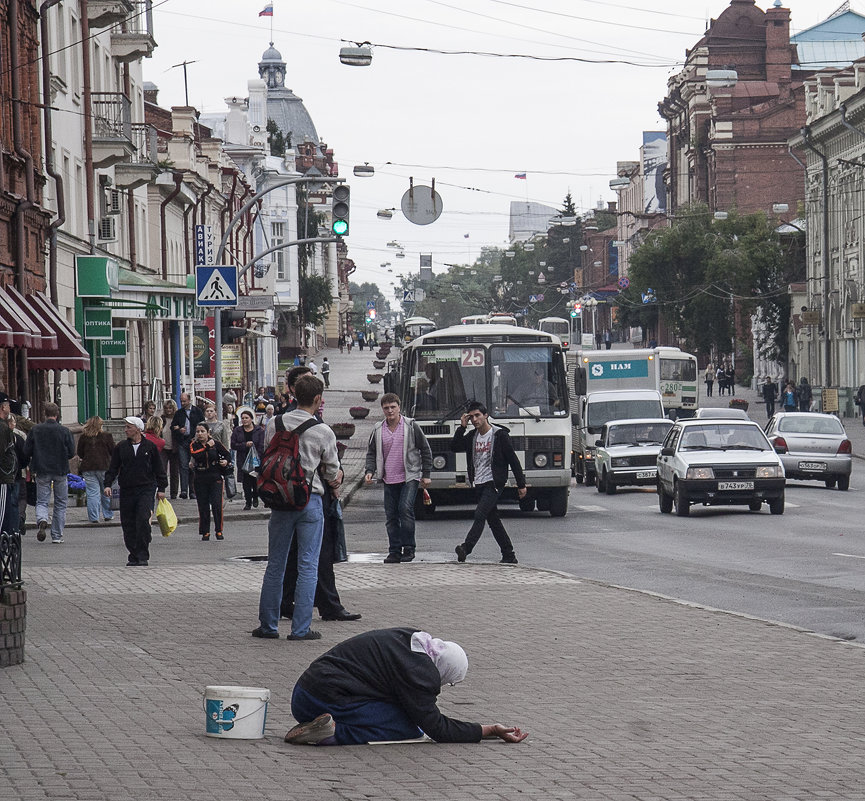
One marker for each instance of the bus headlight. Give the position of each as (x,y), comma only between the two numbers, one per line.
(540,460)
(439,462)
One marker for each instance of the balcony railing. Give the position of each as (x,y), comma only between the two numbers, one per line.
(141,20)
(144,140)
(112,116)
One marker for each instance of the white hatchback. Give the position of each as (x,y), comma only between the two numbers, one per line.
(719,463)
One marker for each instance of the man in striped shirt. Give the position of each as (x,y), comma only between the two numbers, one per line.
(399,455)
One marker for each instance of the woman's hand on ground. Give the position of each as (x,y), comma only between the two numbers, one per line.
(510,734)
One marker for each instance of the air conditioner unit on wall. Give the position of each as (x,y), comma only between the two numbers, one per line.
(107,229)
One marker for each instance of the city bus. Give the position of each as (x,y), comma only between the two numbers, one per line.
(417,326)
(519,374)
(558,326)
(500,318)
(474,319)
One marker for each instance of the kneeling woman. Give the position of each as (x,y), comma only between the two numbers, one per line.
(383,685)
(209,460)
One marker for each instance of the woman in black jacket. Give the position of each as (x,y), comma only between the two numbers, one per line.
(244,436)
(383,685)
(208,461)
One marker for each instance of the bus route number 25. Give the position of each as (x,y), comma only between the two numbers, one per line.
(472,357)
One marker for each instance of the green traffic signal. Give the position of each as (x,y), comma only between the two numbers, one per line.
(340,227)
(340,209)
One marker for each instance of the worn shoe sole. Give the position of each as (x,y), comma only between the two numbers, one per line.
(310,635)
(265,635)
(311,733)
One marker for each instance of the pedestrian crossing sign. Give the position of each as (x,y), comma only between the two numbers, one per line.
(216,286)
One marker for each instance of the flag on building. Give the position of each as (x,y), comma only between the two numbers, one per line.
(521,176)
(465,236)
(267,11)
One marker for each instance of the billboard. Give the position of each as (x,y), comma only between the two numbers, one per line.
(654,163)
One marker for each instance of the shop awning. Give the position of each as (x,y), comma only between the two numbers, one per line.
(36,319)
(69,353)
(16,325)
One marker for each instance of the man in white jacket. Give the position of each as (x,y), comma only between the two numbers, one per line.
(399,455)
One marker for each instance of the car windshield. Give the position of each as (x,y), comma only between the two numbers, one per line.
(723,436)
(825,424)
(638,433)
(598,413)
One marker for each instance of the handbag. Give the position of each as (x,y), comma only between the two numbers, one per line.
(230,485)
(166,517)
(340,549)
(252,462)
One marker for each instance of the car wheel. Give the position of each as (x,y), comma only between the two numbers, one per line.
(578,476)
(830,482)
(755,506)
(591,478)
(843,483)
(665,502)
(683,506)
(559,503)
(776,507)
(609,485)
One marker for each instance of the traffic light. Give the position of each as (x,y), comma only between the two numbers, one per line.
(340,209)
(576,309)
(230,324)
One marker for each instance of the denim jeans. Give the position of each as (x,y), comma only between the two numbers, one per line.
(186,486)
(94,480)
(487,512)
(44,484)
(308,525)
(356,723)
(399,515)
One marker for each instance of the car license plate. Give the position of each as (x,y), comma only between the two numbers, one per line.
(812,465)
(646,474)
(735,485)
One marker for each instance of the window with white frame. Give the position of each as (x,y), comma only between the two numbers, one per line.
(277,235)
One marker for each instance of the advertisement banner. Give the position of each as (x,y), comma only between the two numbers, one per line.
(654,164)
(232,365)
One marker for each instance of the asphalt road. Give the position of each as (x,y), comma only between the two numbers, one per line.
(805,567)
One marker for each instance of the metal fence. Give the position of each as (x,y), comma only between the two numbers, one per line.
(112,116)
(10,560)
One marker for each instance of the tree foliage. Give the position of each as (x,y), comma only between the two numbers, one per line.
(708,274)
(315,299)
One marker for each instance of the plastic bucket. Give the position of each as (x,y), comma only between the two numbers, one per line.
(235,712)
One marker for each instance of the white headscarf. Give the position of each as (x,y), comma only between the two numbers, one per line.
(448,657)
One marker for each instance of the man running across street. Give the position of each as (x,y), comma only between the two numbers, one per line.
(489,454)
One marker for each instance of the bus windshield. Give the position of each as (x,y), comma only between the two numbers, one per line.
(560,328)
(510,380)
(677,369)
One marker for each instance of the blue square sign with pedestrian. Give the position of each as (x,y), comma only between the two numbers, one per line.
(216,286)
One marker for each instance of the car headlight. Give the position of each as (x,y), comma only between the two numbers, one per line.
(540,460)
(770,471)
(622,461)
(700,472)
(439,462)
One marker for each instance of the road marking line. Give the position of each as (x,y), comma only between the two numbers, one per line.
(849,555)
(592,508)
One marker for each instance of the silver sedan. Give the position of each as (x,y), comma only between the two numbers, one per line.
(812,446)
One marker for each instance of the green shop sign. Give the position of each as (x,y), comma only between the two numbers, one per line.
(173,307)
(97,276)
(116,346)
(97,323)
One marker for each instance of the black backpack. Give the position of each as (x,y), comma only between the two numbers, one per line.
(282,482)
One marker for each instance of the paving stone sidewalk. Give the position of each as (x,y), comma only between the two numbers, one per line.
(627,696)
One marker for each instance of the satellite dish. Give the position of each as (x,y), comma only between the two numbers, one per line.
(421,205)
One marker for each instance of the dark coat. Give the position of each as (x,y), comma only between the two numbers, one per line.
(49,447)
(95,452)
(503,455)
(133,470)
(196,416)
(241,446)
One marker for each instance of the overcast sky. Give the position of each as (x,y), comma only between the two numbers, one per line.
(470,122)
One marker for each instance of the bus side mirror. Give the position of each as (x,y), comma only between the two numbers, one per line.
(580,381)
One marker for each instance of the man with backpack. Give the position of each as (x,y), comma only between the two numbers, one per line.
(300,455)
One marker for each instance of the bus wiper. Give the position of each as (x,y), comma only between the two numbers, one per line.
(448,414)
(517,403)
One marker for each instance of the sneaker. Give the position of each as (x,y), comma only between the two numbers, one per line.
(206,538)
(265,635)
(393,559)
(312,733)
(58,541)
(255,503)
(247,507)
(461,552)
(407,555)
(509,559)
(182,496)
(219,535)
(43,528)
(310,635)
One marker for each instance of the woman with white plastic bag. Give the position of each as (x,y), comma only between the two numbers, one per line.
(247,441)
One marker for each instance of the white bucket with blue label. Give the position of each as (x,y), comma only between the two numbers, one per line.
(235,712)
